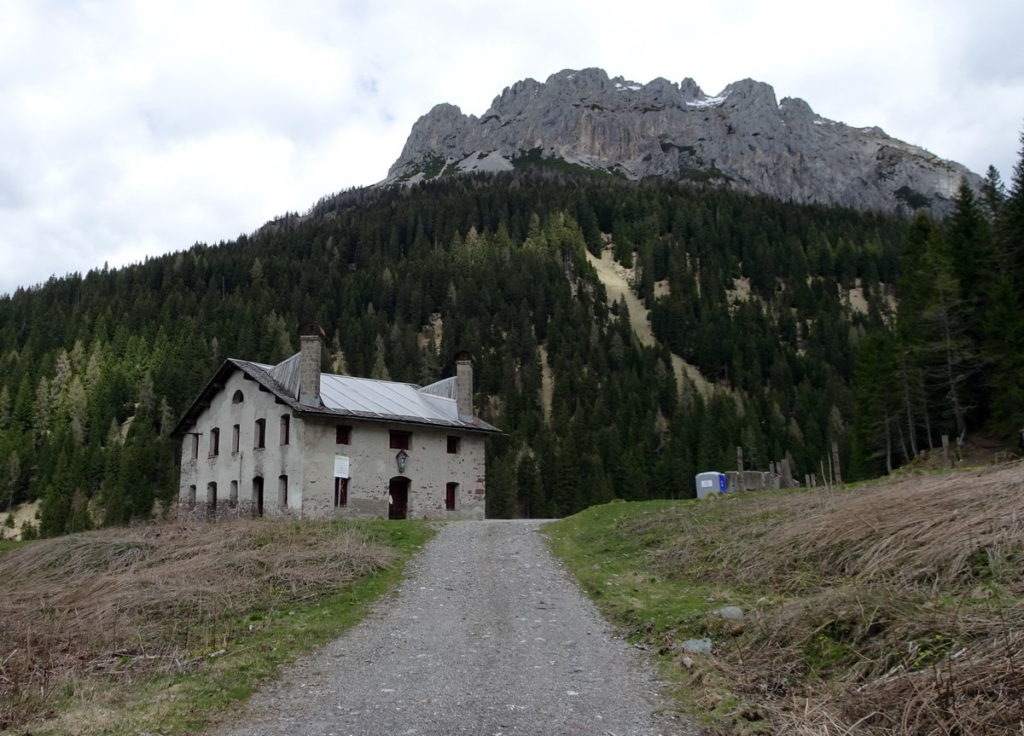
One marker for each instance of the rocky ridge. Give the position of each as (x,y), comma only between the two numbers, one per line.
(741,137)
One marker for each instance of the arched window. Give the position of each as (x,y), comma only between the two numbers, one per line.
(211,496)
(237,397)
(286,424)
(233,498)
(191,500)
(282,491)
(257,495)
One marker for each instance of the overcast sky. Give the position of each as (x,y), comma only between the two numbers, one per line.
(131,128)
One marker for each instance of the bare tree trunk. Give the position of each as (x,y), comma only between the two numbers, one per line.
(908,405)
(888,447)
(903,442)
(952,380)
(928,426)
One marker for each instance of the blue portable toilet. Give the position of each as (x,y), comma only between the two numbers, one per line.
(709,483)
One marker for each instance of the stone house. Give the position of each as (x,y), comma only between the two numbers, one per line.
(288,439)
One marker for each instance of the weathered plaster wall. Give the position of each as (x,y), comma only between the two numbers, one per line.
(372,464)
(270,462)
(308,462)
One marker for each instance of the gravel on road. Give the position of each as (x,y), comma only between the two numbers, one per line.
(487,635)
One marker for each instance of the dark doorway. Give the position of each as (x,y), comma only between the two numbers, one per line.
(257,496)
(398,492)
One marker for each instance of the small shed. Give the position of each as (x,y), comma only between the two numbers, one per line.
(709,483)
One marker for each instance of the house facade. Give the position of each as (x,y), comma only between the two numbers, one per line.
(287,439)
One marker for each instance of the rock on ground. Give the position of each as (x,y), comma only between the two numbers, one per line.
(487,635)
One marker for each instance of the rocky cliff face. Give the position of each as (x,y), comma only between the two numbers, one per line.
(741,137)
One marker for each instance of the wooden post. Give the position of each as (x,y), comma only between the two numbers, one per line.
(945,452)
(739,458)
(838,477)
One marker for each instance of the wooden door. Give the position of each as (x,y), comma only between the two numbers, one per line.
(398,493)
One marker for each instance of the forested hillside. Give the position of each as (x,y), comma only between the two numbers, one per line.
(772,302)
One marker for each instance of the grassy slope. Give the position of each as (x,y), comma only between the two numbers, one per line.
(177,676)
(887,608)
(9,544)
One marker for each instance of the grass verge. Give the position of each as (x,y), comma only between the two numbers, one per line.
(162,628)
(891,607)
(6,545)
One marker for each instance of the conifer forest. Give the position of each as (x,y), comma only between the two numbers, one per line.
(811,324)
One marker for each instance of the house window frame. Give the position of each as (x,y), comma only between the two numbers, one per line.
(451,493)
(260,434)
(236,435)
(454,444)
(286,429)
(343,434)
(400,439)
(215,442)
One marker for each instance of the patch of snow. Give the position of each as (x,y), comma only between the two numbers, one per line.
(708,102)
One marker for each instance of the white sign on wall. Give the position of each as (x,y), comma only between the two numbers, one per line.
(340,466)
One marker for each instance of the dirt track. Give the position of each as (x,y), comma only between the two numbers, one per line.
(487,635)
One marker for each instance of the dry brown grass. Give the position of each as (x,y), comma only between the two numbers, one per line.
(935,531)
(894,608)
(158,597)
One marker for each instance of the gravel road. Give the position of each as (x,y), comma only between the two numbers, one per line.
(487,635)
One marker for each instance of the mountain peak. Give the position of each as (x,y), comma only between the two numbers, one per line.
(741,137)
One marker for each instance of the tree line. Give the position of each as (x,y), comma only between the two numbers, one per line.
(804,317)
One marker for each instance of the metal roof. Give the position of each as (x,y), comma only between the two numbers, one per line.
(368,398)
(346,396)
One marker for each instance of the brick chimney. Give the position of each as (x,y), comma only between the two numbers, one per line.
(464,383)
(309,370)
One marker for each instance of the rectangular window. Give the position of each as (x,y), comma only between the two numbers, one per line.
(214,442)
(195,445)
(400,440)
(233,498)
(260,433)
(285,428)
(340,492)
(282,491)
(453,445)
(236,433)
(450,491)
(342,434)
